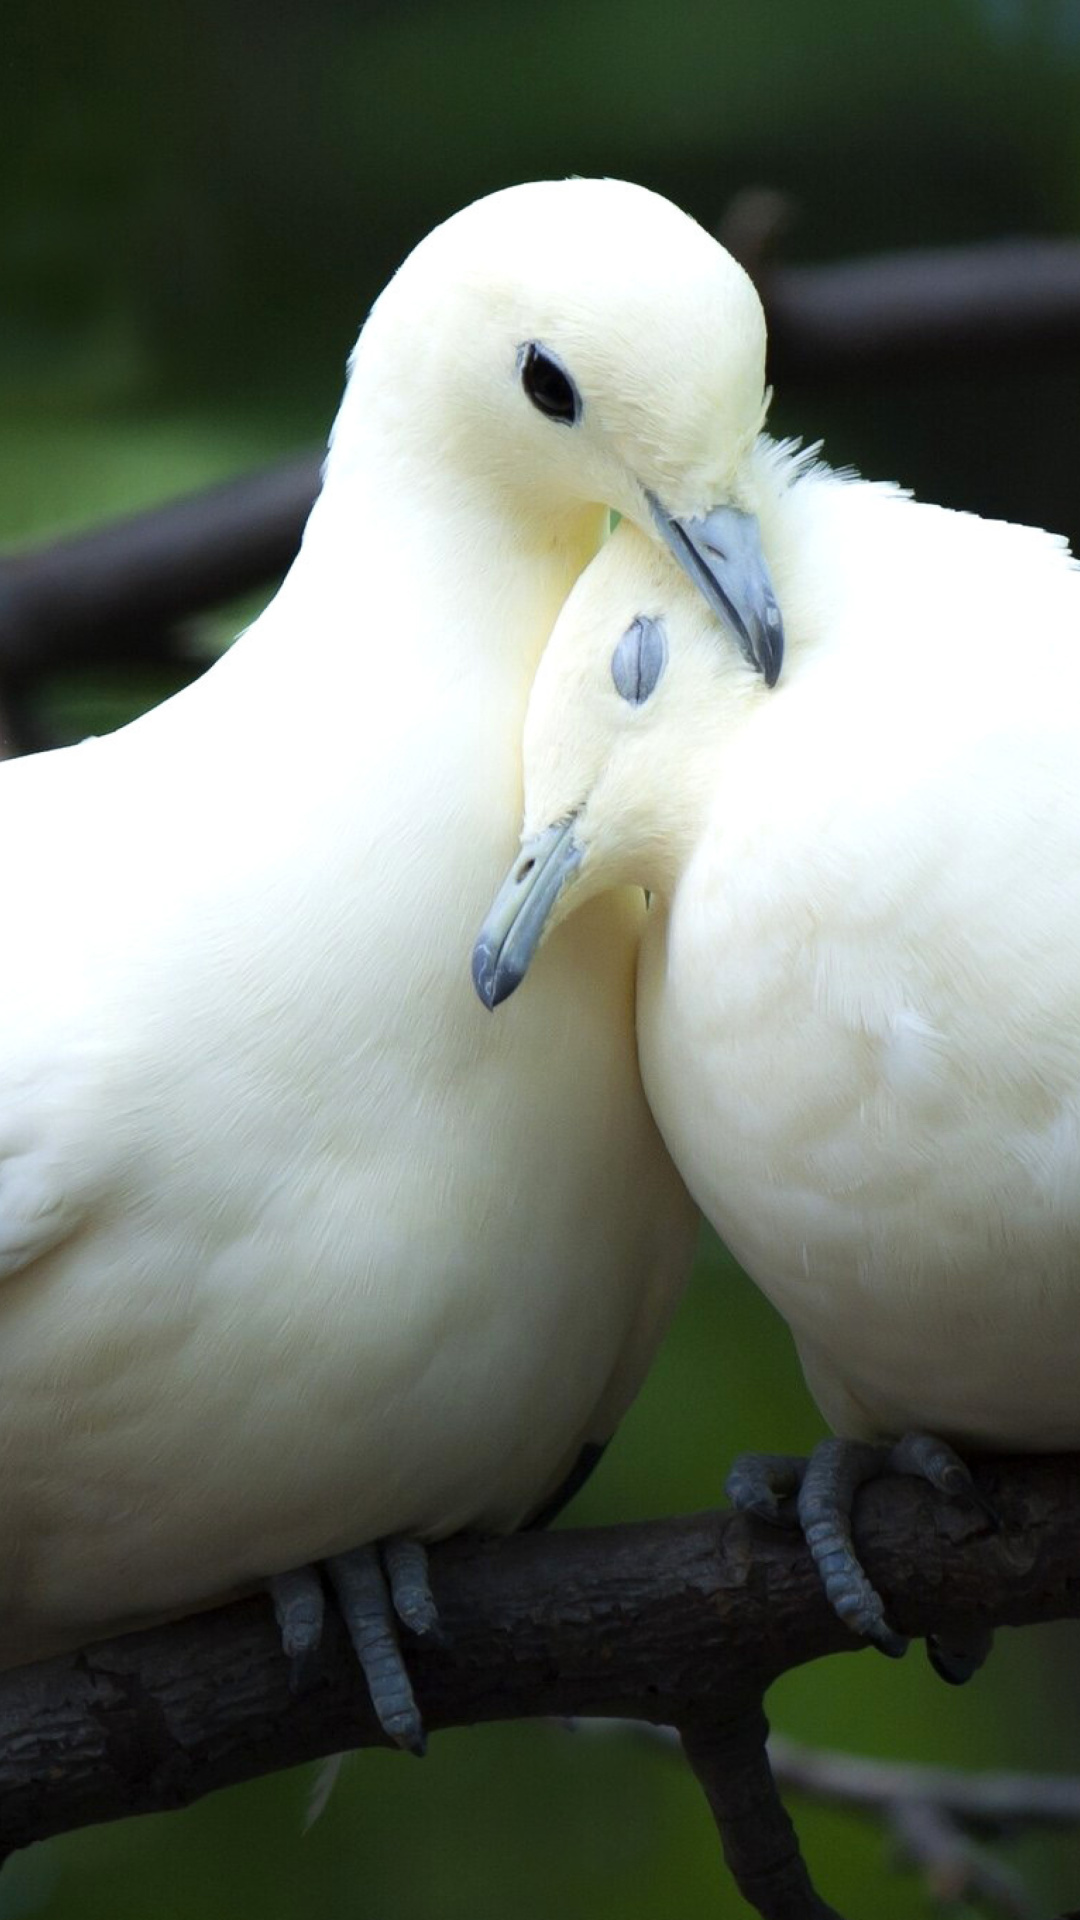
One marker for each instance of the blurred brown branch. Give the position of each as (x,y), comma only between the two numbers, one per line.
(115,592)
(684,1622)
(892,308)
(927,307)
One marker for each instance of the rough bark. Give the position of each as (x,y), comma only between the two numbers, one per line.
(677,1621)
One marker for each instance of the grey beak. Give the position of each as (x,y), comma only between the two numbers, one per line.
(721,551)
(520,911)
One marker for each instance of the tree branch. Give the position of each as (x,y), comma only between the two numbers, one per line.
(117,592)
(952,1866)
(684,1622)
(938,1815)
(928,307)
(729,1757)
(983,1802)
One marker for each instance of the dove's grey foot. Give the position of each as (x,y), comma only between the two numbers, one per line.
(406,1566)
(375,1586)
(834,1473)
(818,1495)
(299,1606)
(767,1484)
(935,1461)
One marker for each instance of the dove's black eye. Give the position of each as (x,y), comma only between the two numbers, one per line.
(548,384)
(639,659)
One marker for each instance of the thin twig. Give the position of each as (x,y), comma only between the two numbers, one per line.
(953,1868)
(984,1801)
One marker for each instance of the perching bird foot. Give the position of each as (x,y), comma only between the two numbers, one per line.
(299,1606)
(375,1586)
(818,1495)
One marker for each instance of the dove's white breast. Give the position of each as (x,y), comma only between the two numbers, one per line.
(322,1251)
(860,1027)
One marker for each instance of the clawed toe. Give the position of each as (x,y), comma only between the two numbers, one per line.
(406,1567)
(825,1487)
(370,1599)
(375,1588)
(767,1484)
(956,1659)
(299,1606)
(817,1495)
(933,1460)
(834,1473)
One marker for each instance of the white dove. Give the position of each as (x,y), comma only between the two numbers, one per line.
(300,1252)
(859,1002)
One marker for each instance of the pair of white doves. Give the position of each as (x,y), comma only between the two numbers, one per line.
(306,1255)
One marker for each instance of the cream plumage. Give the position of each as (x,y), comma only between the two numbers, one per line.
(859,1005)
(301,1250)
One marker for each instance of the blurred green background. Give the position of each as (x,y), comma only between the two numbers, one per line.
(200,202)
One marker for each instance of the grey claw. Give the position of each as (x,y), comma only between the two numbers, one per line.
(406,1565)
(834,1473)
(358,1581)
(766,1484)
(827,1484)
(936,1462)
(956,1662)
(299,1607)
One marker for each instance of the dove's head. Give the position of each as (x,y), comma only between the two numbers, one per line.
(629,710)
(576,344)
